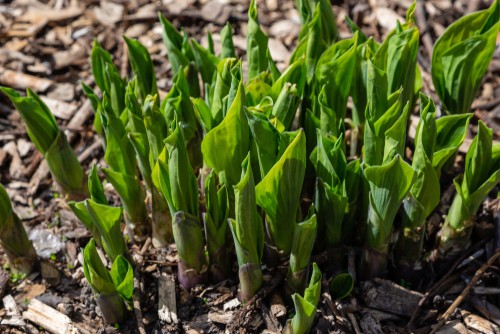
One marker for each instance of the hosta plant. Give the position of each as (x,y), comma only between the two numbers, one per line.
(248,234)
(13,238)
(112,289)
(176,179)
(306,305)
(467,44)
(482,174)
(50,141)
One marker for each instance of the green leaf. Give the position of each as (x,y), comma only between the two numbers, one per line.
(451,132)
(468,43)
(389,184)
(13,238)
(95,187)
(107,219)
(286,105)
(122,275)
(248,233)
(305,307)
(330,206)
(226,37)
(279,192)
(205,61)
(266,139)
(334,72)
(303,242)
(341,286)
(256,44)
(143,68)
(96,273)
(156,127)
(176,177)
(329,159)
(226,145)
(177,55)
(40,123)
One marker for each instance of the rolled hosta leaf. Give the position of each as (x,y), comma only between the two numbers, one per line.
(424,194)
(256,44)
(482,174)
(397,56)
(305,307)
(364,52)
(354,222)
(13,238)
(451,132)
(468,43)
(389,184)
(106,295)
(225,147)
(334,72)
(279,193)
(228,70)
(177,106)
(178,184)
(286,105)
(122,275)
(248,234)
(205,62)
(330,206)
(44,132)
(107,219)
(266,140)
(107,77)
(226,37)
(329,31)
(133,197)
(216,232)
(188,237)
(179,51)
(143,68)
(96,194)
(303,242)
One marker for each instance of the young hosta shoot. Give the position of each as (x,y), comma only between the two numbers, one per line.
(304,237)
(305,307)
(96,194)
(330,200)
(112,288)
(143,68)
(424,194)
(178,184)
(50,141)
(397,56)
(482,174)
(248,234)
(306,9)
(123,175)
(279,191)
(257,52)
(107,219)
(13,238)
(435,143)
(216,233)
(468,43)
(389,184)
(226,145)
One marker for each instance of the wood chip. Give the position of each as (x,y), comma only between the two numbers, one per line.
(60,109)
(474,322)
(49,318)
(15,318)
(108,13)
(390,297)
(167,306)
(370,325)
(220,317)
(453,327)
(20,80)
(232,304)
